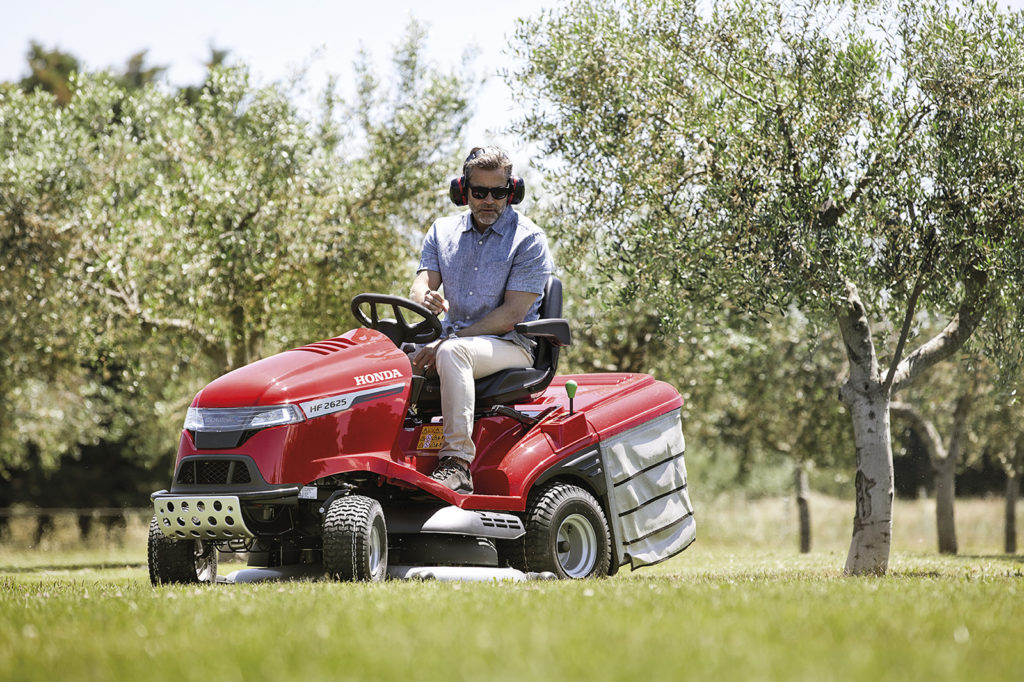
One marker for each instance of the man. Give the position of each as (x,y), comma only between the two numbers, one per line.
(493,264)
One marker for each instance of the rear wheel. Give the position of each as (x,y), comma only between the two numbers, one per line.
(567,533)
(355,539)
(179,561)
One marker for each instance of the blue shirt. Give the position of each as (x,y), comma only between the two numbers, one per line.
(477,269)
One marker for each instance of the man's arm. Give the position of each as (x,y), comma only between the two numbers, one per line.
(505,317)
(424,291)
(502,319)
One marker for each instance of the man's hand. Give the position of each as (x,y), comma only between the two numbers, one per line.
(435,302)
(424,360)
(425,291)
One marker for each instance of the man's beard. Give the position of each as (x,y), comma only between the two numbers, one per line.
(488,219)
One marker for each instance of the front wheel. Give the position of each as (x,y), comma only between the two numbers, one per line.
(567,533)
(179,561)
(355,539)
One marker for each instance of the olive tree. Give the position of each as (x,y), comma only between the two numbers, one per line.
(944,455)
(177,235)
(997,416)
(233,220)
(38,349)
(858,160)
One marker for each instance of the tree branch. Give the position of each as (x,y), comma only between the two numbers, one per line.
(728,86)
(924,429)
(832,214)
(952,337)
(908,319)
(860,350)
(122,305)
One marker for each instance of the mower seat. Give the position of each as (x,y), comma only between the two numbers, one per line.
(510,386)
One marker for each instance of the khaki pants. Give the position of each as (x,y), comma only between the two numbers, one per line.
(459,362)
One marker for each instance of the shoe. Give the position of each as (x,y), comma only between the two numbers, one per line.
(454,473)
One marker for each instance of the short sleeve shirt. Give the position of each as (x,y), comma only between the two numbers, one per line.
(477,269)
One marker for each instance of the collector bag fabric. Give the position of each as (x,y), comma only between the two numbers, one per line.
(650,504)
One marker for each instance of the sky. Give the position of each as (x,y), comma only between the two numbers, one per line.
(276,38)
(273,38)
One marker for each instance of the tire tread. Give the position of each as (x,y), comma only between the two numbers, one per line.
(171,561)
(346,526)
(541,513)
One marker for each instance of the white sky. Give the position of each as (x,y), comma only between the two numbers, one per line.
(275,37)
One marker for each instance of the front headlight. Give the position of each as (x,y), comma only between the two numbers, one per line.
(241,418)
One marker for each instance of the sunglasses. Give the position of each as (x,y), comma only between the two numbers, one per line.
(498,193)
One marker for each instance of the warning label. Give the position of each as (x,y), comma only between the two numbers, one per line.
(431,438)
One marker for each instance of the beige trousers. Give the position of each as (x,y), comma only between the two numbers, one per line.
(459,361)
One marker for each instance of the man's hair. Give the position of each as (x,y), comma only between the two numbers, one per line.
(487,158)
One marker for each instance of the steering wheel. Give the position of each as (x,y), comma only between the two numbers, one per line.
(398,329)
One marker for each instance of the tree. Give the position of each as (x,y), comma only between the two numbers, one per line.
(998,415)
(51,72)
(138,74)
(196,233)
(46,396)
(857,160)
(944,458)
(768,404)
(1013,465)
(770,399)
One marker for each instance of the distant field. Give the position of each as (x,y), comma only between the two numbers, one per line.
(741,604)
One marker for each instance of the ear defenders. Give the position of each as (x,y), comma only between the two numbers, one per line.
(459,190)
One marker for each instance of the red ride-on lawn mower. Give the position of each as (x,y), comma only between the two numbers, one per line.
(317,461)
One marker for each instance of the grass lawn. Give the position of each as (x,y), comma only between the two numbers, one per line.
(741,604)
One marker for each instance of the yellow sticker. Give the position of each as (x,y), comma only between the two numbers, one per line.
(431,438)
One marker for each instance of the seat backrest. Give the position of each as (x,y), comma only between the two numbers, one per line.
(546,353)
(551,299)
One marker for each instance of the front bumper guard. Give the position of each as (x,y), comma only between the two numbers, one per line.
(208,517)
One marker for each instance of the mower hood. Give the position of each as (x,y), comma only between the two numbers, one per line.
(356,363)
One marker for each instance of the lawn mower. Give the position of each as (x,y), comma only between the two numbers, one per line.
(316,462)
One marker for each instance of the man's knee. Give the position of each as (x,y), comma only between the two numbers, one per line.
(453,354)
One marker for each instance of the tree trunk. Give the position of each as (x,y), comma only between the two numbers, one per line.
(84,524)
(1012,493)
(803,506)
(872,521)
(945,496)
(44,527)
(867,399)
(943,460)
(867,394)
(945,492)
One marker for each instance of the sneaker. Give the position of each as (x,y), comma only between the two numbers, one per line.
(454,473)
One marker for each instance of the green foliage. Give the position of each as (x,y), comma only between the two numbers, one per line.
(765,389)
(38,338)
(767,153)
(137,73)
(155,239)
(759,393)
(732,161)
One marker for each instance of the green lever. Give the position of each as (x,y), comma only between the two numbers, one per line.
(570,390)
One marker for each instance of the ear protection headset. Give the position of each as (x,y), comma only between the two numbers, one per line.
(458,192)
